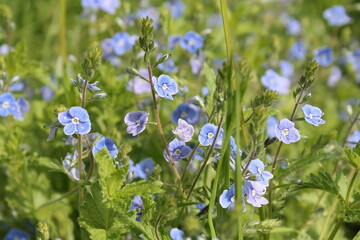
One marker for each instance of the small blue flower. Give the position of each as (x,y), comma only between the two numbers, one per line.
(168,66)
(200,206)
(122,42)
(208,133)
(298,51)
(257,167)
(293,26)
(324,56)
(47,94)
(107,46)
(93,4)
(109,144)
(334,77)
(176,8)
(275,82)
(5,49)
(271,123)
(178,150)
(192,42)
(173,41)
(136,122)
(286,68)
(313,115)
(109,6)
(137,204)
(152,13)
(253,191)
(23,107)
(196,63)
(184,130)
(93,87)
(336,16)
(286,131)
(8,104)
(76,119)
(17,87)
(215,20)
(227,198)
(143,168)
(176,234)
(16,234)
(354,138)
(70,164)
(165,86)
(188,112)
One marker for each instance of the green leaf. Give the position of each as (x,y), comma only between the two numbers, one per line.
(265,226)
(211,84)
(353,156)
(350,215)
(343,184)
(139,188)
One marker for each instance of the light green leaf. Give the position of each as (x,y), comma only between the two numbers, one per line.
(211,84)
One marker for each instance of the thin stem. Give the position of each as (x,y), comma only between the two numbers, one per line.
(80,168)
(188,163)
(336,229)
(327,221)
(157,227)
(348,193)
(74,190)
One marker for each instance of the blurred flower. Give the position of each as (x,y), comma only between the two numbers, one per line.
(47,93)
(354,138)
(108,143)
(17,87)
(70,164)
(165,86)
(253,191)
(204,91)
(5,49)
(298,51)
(336,16)
(176,234)
(16,234)
(207,135)
(123,42)
(188,112)
(192,42)
(93,87)
(324,56)
(152,13)
(143,168)
(137,204)
(227,198)
(168,66)
(215,20)
(107,46)
(23,107)
(286,68)
(8,104)
(76,119)
(293,26)
(136,122)
(109,6)
(184,130)
(139,85)
(257,167)
(313,115)
(176,8)
(334,77)
(196,63)
(286,131)
(173,41)
(271,123)
(178,150)
(275,82)
(200,206)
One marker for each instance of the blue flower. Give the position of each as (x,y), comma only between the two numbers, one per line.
(137,204)
(253,191)
(138,85)
(143,168)
(192,42)
(107,46)
(109,6)
(324,56)
(184,130)
(227,198)
(207,135)
(275,82)
(336,16)
(5,49)
(76,119)
(298,51)
(165,86)
(286,68)
(136,122)
(16,234)
(286,131)
(109,144)
(200,206)
(354,138)
(257,167)
(176,234)
(196,63)
(188,112)
(176,8)
(152,13)
(8,104)
(173,41)
(178,150)
(271,123)
(313,115)
(293,26)
(47,94)
(93,87)
(17,87)
(334,77)
(23,107)
(215,20)
(123,42)
(168,66)
(70,164)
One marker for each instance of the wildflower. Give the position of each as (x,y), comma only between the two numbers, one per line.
(257,167)
(23,107)
(152,13)
(207,135)
(168,66)
(286,131)
(253,191)
(16,234)
(123,42)
(215,20)
(76,119)
(107,47)
(298,51)
(334,77)
(184,130)
(109,6)
(336,16)
(17,87)
(138,85)
(176,8)
(324,56)
(293,26)
(108,143)
(271,123)
(92,86)
(196,63)
(200,206)
(165,86)
(192,42)
(286,68)
(5,49)
(47,94)
(8,104)
(227,198)
(275,82)
(136,122)
(178,150)
(173,41)
(313,115)
(176,234)
(354,138)
(70,164)
(143,168)
(188,112)
(137,204)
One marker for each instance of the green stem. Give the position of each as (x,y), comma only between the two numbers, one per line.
(80,169)
(224,14)
(336,229)
(348,194)
(74,190)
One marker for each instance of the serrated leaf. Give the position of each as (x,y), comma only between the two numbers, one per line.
(351,215)
(139,188)
(265,226)
(352,156)
(343,185)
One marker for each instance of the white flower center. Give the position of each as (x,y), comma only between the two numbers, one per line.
(191,42)
(260,171)
(75,120)
(285,131)
(253,193)
(272,81)
(232,199)
(138,122)
(5,104)
(177,152)
(310,116)
(210,135)
(164,86)
(121,42)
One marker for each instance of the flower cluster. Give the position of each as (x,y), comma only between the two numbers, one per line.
(109,6)
(10,106)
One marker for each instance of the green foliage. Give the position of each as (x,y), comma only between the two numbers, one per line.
(211,84)
(265,226)
(353,156)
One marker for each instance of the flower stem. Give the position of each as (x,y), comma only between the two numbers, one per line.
(336,229)
(348,193)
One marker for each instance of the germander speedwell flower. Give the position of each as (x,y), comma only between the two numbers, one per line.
(76,119)
(178,150)
(136,122)
(8,104)
(184,130)
(253,191)
(192,41)
(227,198)
(165,86)
(313,115)
(286,132)
(207,135)
(257,167)
(108,143)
